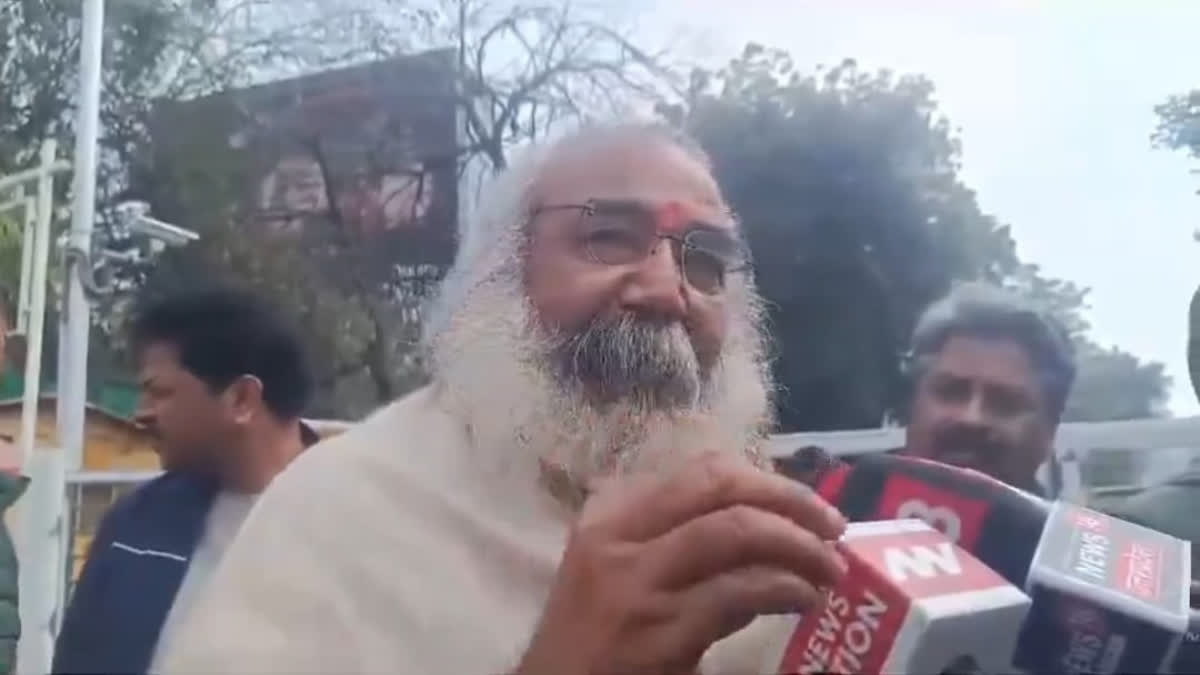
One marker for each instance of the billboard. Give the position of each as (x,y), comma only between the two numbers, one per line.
(362,158)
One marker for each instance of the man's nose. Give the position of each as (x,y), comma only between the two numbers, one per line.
(974,411)
(655,286)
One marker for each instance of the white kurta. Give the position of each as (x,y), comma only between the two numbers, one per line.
(225,518)
(388,550)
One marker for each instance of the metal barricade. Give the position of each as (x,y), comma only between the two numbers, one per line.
(89,495)
(1098,463)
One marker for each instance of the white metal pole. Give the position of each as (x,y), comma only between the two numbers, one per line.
(37,302)
(33,656)
(28,228)
(41,569)
(73,382)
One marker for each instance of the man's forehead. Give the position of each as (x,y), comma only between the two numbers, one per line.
(158,357)
(658,174)
(993,359)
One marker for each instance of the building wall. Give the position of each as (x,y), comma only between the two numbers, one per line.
(117,446)
(110,443)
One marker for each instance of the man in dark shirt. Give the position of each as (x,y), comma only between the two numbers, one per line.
(223,384)
(1171,506)
(991,376)
(990,380)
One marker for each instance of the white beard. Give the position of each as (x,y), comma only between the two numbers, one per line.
(492,364)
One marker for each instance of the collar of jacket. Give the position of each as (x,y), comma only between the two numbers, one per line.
(809,463)
(308,436)
(12,486)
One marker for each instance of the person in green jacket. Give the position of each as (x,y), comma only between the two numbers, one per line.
(1171,506)
(12,486)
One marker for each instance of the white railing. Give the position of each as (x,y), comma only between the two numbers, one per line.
(1153,448)
(1076,445)
(36,234)
(37,516)
(1149,434)
(1169,442)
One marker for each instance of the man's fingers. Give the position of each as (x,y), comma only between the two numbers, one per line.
(726,603)
(643,509)
(738,537)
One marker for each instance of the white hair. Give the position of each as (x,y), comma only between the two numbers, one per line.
(485,348)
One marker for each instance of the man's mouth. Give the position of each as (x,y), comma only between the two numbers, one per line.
(628,358)
(957,457)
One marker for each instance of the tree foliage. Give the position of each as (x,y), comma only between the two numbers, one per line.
(1179,129)
(10,258)
(848,187)
(847,181)
(1179,123)
(513,70)
(1111,384)
(145,45)
(519,67)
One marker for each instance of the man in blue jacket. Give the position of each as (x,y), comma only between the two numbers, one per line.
(223,382)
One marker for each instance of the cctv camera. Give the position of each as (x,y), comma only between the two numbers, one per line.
(133,216)
(157,230)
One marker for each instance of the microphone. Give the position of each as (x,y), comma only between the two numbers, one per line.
(1108,595)
(995,522)
(1187,659)
(912,602)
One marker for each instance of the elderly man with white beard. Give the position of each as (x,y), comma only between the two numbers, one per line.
(581,489)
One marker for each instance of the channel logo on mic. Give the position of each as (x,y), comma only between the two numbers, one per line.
(957,516)
(1109,596)
(912,602)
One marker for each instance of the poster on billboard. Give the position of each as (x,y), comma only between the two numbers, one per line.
(361,159)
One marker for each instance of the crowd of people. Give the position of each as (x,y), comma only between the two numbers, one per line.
(583,487)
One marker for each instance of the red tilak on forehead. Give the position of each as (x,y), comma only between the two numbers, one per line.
(673,217)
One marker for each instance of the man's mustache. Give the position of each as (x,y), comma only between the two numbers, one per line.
(631,357)
(973,440)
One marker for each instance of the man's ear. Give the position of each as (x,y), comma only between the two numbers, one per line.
(907,376)
(245,396)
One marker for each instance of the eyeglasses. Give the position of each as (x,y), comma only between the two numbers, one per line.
(618,232)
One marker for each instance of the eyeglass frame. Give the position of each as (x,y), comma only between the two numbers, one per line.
(592,206)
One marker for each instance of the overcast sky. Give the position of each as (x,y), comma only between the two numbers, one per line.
(1055,102)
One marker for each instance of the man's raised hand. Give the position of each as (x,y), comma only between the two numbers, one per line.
(657,569)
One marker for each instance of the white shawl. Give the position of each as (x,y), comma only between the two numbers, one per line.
(384,550)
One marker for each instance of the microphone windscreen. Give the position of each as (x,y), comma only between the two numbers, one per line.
(1106,593)
(1108,596)
(996,523)
(911,602)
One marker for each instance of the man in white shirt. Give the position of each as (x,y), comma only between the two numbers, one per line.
(581,488)
(223,381)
